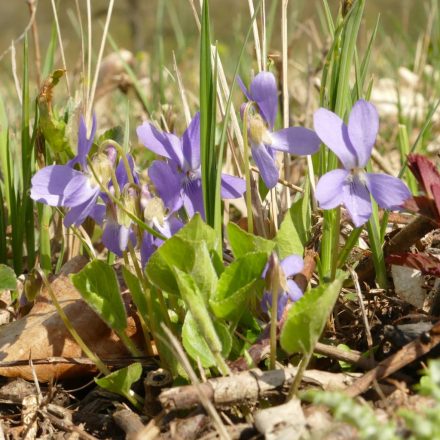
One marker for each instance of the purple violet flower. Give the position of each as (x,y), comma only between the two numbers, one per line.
(62,185)
(291,265)
(264,141)
(352,186)
(178,180)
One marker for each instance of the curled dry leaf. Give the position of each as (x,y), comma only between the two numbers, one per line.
(41,334)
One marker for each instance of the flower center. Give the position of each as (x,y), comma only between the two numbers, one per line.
(359,174)
(258,131)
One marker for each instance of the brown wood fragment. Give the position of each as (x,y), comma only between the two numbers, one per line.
(352,357)
(407,354)
(128,421)
(250,386)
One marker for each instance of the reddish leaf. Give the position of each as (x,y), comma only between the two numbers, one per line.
(424,206)
(427,264)
(424,171)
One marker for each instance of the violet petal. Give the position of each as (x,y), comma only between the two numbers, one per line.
(363,125)
(191,143)
(292,265)
(79,213)
(296,140)
(357,200)
(263,90)
(168,184)
(333,133)
(388,191)
(329,190)
(294,292)
(61,185)
(266,165)
(232,187)
(164,144)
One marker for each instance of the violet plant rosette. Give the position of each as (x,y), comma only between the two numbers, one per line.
(290,291)
(264,141)
(62,185)
(178,179)
(352,186)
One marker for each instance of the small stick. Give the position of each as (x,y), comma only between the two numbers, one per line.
(409,353)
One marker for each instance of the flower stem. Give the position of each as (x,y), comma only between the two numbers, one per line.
(349,244)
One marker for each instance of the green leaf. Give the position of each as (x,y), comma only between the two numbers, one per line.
(184,251)
(294,231)
(236,284)
(243,242)
(199,309)
(8,280)
(98,285)
(195,344)
(120,381)
(137,293)
(306,319)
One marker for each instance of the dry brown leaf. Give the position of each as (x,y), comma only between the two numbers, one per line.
(41,334)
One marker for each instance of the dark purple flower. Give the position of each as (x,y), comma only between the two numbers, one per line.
(62,185)
(352,186)
(178,180)
(264,141)
(289,290)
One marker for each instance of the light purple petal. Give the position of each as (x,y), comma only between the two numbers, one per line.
(84,143)
(167,182)
(60,185)
(333,133)
(294,292)
(79,213)
(363,125)
(147,248)
(164,144)
(232,187)
(266,165)
(296,140)
(329,190)
(98,213)
(388,191)
(263,90)
(121,173)
(191,143)
(292,265)
(115,237)
(266,303)
(193,198)
(357,200)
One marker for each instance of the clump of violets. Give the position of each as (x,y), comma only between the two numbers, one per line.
(178,179)
(263,139)
(352,186)
(63,185)
(289,291)
(75,186)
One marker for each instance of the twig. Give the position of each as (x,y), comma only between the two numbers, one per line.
(400,242)
(249,386)
(409,353)
(282,181)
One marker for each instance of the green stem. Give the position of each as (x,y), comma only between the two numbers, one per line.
(299,375)
(349,244)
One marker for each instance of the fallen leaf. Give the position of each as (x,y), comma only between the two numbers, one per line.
(41,334)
